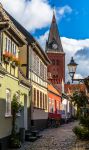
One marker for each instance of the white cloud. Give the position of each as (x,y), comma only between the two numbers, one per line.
(42,39)
(71,46)
(64,10)
(78,76)
(33,14)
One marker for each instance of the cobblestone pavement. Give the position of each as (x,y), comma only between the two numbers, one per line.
(61,138)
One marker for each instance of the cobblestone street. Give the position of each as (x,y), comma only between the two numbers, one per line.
(54,139)
(57,139)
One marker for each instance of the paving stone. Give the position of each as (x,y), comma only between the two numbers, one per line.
(61,138)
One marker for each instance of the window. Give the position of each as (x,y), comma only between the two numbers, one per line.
(43,101)
(53,62)
(38,98)
(53,76)
(8,102)
(50,106)
(14,49)
(53,105)
(8,45)
(57,62)
(34,97)
(58,107)
(46,101)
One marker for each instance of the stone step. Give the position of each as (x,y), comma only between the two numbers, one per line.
(31,138)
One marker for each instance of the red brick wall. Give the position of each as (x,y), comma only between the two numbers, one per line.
(57,69)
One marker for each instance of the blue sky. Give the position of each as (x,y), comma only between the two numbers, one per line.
(73,23)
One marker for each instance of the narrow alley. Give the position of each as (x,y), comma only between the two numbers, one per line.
(55,139)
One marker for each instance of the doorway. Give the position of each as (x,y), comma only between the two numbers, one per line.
(25,112)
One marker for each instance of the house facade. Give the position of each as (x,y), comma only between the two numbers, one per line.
(34,64)
(38,79)
(11,39)
(54,104)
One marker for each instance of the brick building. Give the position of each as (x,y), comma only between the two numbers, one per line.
(54,50)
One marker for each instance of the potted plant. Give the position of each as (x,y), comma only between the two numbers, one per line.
(16,107)
(15,60)
(7,56)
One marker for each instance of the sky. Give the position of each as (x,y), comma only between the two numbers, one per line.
(73,23)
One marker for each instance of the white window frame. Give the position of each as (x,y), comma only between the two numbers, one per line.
(8,102)
(8,44)
(14,48)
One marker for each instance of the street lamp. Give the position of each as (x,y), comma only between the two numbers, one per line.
(72,68)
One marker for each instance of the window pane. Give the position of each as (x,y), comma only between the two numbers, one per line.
(34,97)
(8,102)
(38,98)
(45,101)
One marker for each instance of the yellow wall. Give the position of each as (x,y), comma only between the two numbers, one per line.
(12,84)
(9,67)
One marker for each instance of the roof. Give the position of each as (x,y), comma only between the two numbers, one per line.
(30,39)
(54,37)
(52,89)
(7,25)
(70,88)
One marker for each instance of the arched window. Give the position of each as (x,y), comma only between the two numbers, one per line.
(8,102)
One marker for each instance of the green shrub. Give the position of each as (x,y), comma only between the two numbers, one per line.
(81,132)
(85,122)
(14,141)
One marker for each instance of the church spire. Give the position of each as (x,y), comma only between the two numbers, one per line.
(54,41)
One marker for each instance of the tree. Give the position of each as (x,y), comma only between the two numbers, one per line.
(80,100)
(15,107)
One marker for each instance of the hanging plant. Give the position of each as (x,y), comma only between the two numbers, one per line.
(16,60)
(7,54)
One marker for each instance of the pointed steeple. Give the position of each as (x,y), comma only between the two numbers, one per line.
(54,41)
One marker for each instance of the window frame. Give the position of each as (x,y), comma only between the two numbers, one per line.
(7,114)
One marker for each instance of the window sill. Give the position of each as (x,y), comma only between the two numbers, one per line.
(8,115)
(18,114)
(39,108)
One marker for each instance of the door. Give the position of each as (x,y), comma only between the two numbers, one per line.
(25,112)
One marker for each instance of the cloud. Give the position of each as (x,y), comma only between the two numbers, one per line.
(65,10)
(33,14)
(82,53)
(42,39)
(79,49)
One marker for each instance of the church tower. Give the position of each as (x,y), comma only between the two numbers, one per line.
(54,50)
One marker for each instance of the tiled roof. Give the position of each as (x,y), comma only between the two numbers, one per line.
(52,89)
(70,88)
